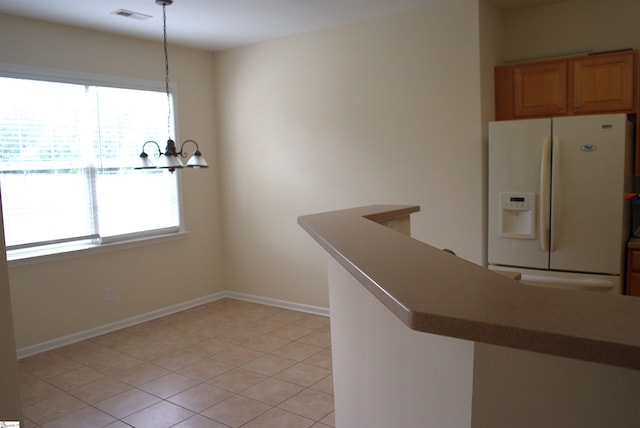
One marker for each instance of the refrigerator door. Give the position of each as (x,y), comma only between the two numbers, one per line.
(588,168)
(518,211)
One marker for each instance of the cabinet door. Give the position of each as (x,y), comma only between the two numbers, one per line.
(540,89)
(633,276)
(603,83)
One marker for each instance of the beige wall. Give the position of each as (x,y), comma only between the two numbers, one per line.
(597,25)
(10,406)
(387,375)
(491,36)
(58,298)
(383,111)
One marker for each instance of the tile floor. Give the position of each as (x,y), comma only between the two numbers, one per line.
(228,363)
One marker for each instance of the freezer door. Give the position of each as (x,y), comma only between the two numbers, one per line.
(515,165)
(588,183)
(609,284)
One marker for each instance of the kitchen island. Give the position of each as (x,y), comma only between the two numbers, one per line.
(421,337)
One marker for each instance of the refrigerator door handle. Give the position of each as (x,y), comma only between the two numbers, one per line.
(545,171)
(591,284)
(555,173)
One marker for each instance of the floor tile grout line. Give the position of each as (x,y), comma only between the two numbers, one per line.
(167,400)
(186,408)
(313,324)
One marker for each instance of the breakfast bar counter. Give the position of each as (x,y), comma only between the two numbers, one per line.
(499,342)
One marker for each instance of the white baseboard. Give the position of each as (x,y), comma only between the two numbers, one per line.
(58,342)
(317,310)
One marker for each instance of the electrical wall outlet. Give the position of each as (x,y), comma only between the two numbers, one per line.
(109,294)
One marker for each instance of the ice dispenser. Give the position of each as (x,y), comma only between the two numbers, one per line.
(517,215)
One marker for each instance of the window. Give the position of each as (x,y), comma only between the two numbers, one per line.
(67,151)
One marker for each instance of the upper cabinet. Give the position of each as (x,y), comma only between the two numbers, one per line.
(601,83)
(540,89)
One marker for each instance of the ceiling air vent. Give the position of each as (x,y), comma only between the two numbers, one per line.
(130,14)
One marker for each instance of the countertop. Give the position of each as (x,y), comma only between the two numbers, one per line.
(433,291)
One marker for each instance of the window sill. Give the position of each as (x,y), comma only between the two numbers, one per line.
(62,252)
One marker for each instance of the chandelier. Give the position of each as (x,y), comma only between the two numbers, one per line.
(170,159)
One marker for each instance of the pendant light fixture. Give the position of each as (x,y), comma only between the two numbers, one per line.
(170,159)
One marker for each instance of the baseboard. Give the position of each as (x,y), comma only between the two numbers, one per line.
(48,345)
(316,310)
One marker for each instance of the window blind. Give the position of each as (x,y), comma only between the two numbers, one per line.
(66,156)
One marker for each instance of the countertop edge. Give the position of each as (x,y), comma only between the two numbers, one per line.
(483,306)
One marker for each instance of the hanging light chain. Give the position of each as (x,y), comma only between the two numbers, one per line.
(171,154)
(166,68)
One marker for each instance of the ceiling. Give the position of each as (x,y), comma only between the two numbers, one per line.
(221,24)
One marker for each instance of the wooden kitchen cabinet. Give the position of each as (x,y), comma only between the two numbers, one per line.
(602,83)
(540,89)
(633,268)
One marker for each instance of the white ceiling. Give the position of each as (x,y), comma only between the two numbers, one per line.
(221,24)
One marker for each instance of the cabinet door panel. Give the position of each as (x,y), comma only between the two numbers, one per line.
(540,89)
(633,272)
(603,83)
(635,261)
(633,284)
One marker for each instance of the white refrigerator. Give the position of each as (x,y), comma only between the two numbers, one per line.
(556,207)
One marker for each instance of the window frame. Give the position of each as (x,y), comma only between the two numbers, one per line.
(59,251)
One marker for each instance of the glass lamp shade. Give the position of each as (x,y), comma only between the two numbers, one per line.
(197,161)
(144,162)
(170,162)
